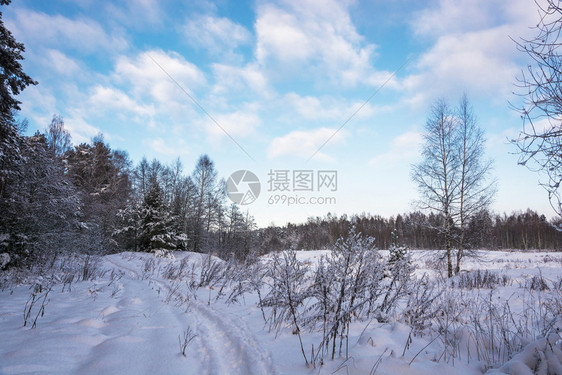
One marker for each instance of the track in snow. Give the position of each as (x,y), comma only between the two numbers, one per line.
(225,346)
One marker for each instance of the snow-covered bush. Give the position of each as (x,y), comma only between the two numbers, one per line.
(536,282)
(243,277)
(211,271)
(398,275)
(356,270)
(288,292)
(353,282)
(397,252)
(480,280)
(164,253)
(420,306)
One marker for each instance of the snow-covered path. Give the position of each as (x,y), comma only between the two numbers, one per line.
(226,346)
(128,327)
(223,345)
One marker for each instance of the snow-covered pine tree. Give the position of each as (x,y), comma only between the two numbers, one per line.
(101,176)
(396,252)
(398,272)
(129,225)
(39,205)
(13,79)
(157,226)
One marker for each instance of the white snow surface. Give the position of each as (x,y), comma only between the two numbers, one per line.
(129,320)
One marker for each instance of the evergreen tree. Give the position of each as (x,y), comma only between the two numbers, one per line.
(39,206)
(12,77)
(156,232)
(396,252)
(128,228)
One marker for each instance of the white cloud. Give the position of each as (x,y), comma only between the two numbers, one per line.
(80,129)
(454,16)
(61,63)
(312,108)
(403,148)
(220,36)
(305,143)
(495,141)
(239,124)
(472,50)
(39,103)
(465,16)
(159,145)
(313,37)
(146,77)
(235,80)
(107,98)
(279,36)
(136,13)
(328,108)
(503,138)
(478,62)
(137,92)
(43,30)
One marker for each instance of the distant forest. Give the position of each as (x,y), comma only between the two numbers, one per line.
(416,230)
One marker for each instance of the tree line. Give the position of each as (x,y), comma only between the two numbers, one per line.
(418,230)
(92,199)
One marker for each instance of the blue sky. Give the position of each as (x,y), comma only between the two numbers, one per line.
(280,78)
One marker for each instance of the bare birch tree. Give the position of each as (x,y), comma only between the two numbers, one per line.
(453,176)
(205,180)
(476,189)
(58,138)
(437,175)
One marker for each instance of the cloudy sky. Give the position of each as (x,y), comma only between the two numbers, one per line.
(265,86)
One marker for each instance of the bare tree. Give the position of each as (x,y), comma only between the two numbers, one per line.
(539,143)
(437,175)
(453,177)
(58,138)
(475,188)
(205,179)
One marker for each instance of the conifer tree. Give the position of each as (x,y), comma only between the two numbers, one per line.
(156,232)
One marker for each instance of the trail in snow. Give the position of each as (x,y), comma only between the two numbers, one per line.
(222,338)
(225,345)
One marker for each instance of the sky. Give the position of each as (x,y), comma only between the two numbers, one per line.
(323,101)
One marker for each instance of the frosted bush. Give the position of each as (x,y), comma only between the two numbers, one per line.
(162,253)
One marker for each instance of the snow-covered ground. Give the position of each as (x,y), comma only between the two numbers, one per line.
(130,315)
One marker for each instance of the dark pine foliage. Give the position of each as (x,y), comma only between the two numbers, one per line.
(12,77)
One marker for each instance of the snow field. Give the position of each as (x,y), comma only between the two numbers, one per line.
(129,321)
